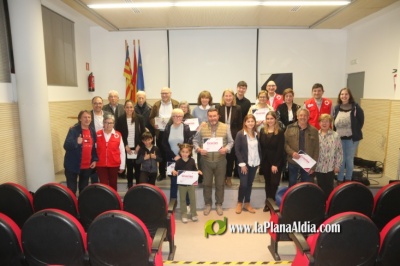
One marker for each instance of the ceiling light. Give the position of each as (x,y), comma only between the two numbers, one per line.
(217,4)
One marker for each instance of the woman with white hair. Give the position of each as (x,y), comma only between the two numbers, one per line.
(175,133)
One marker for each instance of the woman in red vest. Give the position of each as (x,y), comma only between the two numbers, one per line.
(111,153)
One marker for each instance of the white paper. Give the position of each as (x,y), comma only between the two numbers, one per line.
(131,156)
(161,122)
(305,161)
(187,177)
(170,167)
(260,114)
(212,144)
(193,123)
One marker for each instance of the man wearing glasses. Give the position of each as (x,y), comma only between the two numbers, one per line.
(274,99)
(162,109)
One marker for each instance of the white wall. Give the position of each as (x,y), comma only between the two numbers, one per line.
(375,43)
(108,58)
(313,56)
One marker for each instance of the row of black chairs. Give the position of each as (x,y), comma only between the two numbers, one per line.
(145,201)
(55,237)
(305,202)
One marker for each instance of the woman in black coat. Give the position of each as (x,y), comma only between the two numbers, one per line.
(272,142)
(131,126)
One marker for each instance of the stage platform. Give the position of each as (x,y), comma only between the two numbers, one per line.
(230,199)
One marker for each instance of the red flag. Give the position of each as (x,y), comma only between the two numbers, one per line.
(134,74)
(128,75)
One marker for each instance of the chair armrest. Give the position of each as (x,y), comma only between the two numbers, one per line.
(302,245)
(272,205)
(172,205)
(158,239)
(300,241)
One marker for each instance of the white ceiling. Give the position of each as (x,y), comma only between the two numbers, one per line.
(325,17)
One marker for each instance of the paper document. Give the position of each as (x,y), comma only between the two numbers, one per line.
(260,114)
(212,144)
(193,123)
(170,167)
(161,122)
(187,177)
(305,161)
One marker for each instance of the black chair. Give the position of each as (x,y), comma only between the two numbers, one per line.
(150,205)
(120,238)
(16,202)
(96,199)
(10,243)
(386,204)
(55,196)
(350,196)
(54,237)
(389,250)
(357,242)
(302,203)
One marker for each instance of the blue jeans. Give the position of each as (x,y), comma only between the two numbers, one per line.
(294,170)
(72,179)
(349,150)
(246,183)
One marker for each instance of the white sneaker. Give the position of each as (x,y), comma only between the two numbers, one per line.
(195,219)
(184,220)
(207,210)
(219,210)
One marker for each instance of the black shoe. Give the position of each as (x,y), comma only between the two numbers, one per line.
(122,175)
(160,178)
(130,185)
(266,208)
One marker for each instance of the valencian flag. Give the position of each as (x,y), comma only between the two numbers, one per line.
(128,74)
(140,79)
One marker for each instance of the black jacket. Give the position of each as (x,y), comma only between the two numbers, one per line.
(236,118)
(122,127)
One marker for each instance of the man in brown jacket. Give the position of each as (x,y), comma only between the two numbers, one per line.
(301,136)
(162,109)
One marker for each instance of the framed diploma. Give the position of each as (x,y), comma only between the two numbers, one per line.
(212,144)
(187,177)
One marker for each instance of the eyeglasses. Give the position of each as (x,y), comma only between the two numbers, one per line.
(108,123)
(97,103)
(176,116)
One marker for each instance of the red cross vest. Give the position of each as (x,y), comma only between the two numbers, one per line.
(312,106)
(108,152)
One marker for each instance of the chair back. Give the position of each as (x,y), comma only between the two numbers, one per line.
(350,196)
(149,204)
(303,202)
(386,204)
(96,199)
(390,243)
(54,237)
(16,202)
(10,242)
(356,244)
(55,196)
(119,238)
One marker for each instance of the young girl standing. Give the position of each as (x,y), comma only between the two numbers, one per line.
(186,163)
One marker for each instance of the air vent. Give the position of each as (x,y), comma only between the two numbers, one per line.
(134,10)
(294,9)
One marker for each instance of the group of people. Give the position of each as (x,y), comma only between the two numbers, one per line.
(268,136)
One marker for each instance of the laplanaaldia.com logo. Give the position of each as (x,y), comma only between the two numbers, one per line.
(210,224)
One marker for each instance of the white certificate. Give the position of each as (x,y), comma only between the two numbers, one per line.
(131,156)
(161,122)
(187,177)
(305,161)
(212,144)
(170,167)
(193,123)
(260,114)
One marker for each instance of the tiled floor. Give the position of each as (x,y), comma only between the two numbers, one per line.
(193,246)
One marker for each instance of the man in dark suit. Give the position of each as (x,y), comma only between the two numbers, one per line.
(114,107)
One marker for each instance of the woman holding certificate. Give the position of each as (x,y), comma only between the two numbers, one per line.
(230,114)
(131,126)
(260,109)
(272,141)
(175,133)
(248,153)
